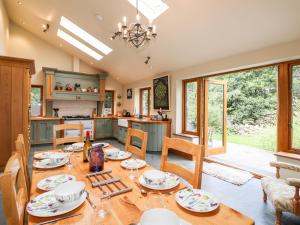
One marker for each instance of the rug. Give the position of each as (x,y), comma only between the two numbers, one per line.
(231,175)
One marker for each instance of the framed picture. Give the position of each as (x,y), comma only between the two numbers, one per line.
(129,93)
(161,93)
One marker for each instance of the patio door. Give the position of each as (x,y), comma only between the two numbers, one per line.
(215,116)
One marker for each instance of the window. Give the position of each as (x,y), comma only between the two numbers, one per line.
(190,106)
(295,107)
(109,102)
(36,100)
(145,101)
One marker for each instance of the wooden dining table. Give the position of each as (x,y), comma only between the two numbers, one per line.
(128,207)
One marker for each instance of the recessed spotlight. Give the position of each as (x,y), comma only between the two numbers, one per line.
(19,2)
(99,17)
(91,63)
(60,45)
(45,27)
(23,22)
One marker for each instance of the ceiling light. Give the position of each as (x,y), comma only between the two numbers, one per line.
(150,9)
(19,2)
(78,44)
(69,25)
(99,17)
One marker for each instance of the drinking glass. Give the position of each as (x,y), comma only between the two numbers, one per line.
(133,174)
(103,206)
(69,163)
(155,200)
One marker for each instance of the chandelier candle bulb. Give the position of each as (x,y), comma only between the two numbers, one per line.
(138,17)
(124,20)
(119,27)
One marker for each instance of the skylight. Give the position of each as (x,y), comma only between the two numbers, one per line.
(150,8)
(85,36)
(78,44)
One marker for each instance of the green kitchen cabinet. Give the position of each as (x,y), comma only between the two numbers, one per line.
(103,128)
(115,129)
(122,134)
(42,131)
(136,141)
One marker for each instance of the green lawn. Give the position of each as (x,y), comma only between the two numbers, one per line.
(264,139)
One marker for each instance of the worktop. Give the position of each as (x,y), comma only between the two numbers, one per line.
(44,118)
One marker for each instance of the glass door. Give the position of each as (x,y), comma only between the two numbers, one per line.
(215,116)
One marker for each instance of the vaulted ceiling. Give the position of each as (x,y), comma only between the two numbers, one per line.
(189,32)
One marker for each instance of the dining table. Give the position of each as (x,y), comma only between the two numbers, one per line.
(128,207)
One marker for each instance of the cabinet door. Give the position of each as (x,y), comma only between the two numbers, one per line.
(43,132)
(115,129)
(136,141)
(108,128)
(33,132)
(99,128)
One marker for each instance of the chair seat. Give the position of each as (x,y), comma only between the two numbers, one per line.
(279,192)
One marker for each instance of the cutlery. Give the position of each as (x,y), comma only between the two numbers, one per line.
(89,200)
(58,219)
(143,191)
(174,191)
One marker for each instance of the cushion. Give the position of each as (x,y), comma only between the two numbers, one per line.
(279,192)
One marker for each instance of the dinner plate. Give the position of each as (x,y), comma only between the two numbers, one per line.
(181,222)
(49,183)
(171,181)
(75,147)
(133,163)
(46,205)
(197,200)
(47,155)
(121,155)
(47,164)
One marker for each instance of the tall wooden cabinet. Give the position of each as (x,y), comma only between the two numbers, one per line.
(15,91)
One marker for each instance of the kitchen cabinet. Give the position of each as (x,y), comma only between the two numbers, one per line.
(122,133)
(42,131)
(15,92)
(103,128)
(136,141)
(64,78)
(115,129)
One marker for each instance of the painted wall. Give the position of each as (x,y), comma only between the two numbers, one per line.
(281,52)
(4,29)
(24,44)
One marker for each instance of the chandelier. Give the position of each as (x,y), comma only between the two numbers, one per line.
(136,34)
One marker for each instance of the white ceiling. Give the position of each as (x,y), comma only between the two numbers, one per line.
(189,32)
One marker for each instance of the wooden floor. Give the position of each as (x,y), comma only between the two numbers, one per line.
(247,198)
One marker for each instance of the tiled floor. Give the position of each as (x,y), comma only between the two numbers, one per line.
(246,199)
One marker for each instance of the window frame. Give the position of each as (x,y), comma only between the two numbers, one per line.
(290,107)
(113,102)
(184,102)
(141,100)
(41,98)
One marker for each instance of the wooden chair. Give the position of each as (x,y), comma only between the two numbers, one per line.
(21,149)
(283,193)
(14,190)
(63,127)
(143,136)
(196,151)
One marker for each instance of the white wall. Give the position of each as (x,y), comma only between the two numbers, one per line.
(24,44)
(4,29)
(281,52)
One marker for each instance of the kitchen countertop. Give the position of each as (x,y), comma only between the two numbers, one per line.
(45,118)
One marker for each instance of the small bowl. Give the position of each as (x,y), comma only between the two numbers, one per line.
(154,177)
(112,152)
(162,217)
(69,191)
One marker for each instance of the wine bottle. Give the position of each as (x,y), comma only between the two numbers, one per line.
(86,147)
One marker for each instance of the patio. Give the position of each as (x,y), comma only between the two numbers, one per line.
(247,158)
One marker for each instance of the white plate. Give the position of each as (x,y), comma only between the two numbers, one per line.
(46,163)
(49,183)
(181,222)
(197,200)
(47,155)
(75,147)
(133,164)
(171,181)
(120,156)
(46,205)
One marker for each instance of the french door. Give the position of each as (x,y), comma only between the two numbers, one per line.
(215,116)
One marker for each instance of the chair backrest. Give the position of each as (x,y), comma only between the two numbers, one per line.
(63,127)
(14,191)
(143,136)
(21,149)
(196,151)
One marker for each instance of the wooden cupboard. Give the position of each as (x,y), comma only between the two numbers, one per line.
(15,93)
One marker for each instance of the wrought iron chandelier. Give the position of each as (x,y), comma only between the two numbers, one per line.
(136,34)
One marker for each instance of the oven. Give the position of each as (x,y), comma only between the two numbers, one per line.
(88,125)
